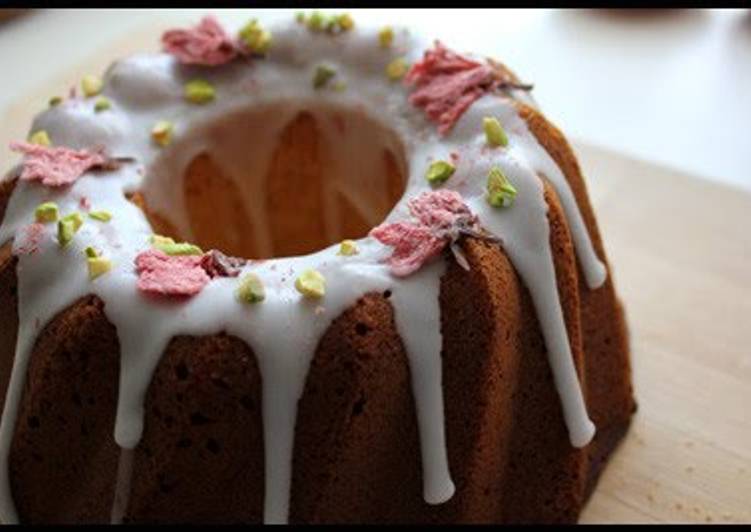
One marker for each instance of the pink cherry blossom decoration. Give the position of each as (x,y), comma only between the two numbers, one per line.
(446,84)
(440,210)
(161,274)
(56,166)
(440,217)
(205,44)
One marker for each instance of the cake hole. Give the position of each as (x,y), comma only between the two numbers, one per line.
(362,329)
(278,180)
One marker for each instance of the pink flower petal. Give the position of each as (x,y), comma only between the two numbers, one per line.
(438,216)
(440,210)
(160,274)
(56,166)
(446,84)
(205,44)
(413,245)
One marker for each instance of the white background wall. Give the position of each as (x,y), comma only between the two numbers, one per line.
(669,86)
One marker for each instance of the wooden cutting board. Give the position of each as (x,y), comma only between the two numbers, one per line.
(681,254)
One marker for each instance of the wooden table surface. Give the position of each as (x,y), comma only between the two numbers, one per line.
(681,254)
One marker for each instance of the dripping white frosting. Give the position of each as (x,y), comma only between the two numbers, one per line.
(122,486)
(285,329)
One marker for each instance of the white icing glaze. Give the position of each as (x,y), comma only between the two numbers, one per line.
(122,486)
(285,329)
(421,292)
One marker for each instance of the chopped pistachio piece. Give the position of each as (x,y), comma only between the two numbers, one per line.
(348,248)
(251,289)
(41,138)
(182,248)
(311,283)
(65,232)
(339,86)
(102,104)
(255,38)
(172,248)
(76,218)
(331,25)
(91,252)
(100,216)
(500,191)
(494,132)
(345,21)
(316,21)
(55,101)
(386,36)
(199,91)
(396,69)
(439,171)
(158,240)
(98,266)
(322,76)
(46,213)
(91,85)
(161,133)
(67,227)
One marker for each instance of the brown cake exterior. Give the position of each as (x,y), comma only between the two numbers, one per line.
(357,452)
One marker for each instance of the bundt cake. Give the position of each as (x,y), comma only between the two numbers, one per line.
(423,328)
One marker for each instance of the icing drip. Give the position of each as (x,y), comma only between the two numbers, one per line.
(525,233)
(421,335)
(10,414)
(122,486)
(285,329)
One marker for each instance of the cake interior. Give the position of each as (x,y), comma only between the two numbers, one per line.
(279,180)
